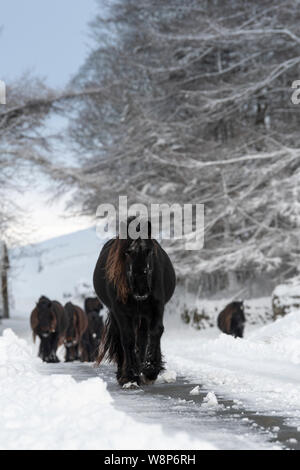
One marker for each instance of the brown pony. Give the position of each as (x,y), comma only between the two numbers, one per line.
(232,319)
(49,322)
(78,324)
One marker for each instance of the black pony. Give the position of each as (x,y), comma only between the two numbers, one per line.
(92,337)
(92,304)
(232,319)
(49,321)
(134,279)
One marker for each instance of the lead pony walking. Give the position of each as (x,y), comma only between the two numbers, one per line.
(134,279)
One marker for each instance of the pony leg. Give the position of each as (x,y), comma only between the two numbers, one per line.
(142,339)
(130,371)
(54,346)
(41,350)
(69,354)
(84,356)
(45,349)
(72,353)
(153,364)
(76,353)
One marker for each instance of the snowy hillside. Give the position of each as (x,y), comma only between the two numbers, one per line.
(60,268)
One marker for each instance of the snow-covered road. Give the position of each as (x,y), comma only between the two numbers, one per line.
(238,405)
(171,405)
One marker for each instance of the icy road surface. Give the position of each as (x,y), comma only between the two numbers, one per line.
(225,424)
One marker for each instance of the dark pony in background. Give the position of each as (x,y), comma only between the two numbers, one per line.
(49,322)
(232,319)
(134,279)
(92,337)
(92,304)
(77,325)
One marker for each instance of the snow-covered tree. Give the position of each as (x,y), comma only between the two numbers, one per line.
(196,99)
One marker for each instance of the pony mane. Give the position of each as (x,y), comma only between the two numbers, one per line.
(115,268)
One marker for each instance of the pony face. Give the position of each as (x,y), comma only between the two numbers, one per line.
(95,326)
(46,318)
(70,334)
(93,304)
(139,268)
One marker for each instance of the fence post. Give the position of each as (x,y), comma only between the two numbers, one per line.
(4,280)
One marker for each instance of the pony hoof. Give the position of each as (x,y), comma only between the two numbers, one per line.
(131,386)
(146,381)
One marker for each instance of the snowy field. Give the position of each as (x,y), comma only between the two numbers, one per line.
(47,408)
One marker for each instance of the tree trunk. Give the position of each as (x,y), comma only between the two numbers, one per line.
(4,281)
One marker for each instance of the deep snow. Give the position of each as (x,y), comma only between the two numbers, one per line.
(44,403)
(56,412)
(262,370)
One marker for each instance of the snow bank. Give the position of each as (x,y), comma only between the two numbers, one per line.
(263,369)
(167,376)
(195,391)
(286,297)
(210,401)
(201,313)
(56,412)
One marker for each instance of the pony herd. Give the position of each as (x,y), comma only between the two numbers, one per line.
(134,278)
(78,330)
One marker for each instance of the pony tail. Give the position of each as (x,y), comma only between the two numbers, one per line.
(110,342)
(34,323)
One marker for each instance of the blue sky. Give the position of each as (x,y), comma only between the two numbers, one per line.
(47,37)
(50,39)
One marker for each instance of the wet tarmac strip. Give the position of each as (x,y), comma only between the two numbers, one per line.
(227,424)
